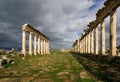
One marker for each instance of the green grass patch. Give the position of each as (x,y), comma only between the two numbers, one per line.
(35,71)
(85,80)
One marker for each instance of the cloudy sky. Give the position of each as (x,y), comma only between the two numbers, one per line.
(62,21)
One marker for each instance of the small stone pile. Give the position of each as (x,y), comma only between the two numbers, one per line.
(5,60)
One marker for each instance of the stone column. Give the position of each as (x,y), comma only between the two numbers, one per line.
(30,43)
(92,48)
(24,43)
(48,48)
(81,46)
(85,44)
(43,46)
(35,47)
(102,39)
(39,45)
(113,33)
(96,41)
(88,43)
(78,45)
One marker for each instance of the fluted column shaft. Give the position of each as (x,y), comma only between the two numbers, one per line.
(92,45)
(85,44)
(96,41)
(113,33)
(102,39)
(89,43)
(78,46)
(24,43)
(30,43)
(43,46)
(39,45)
(48,47)
(35,47)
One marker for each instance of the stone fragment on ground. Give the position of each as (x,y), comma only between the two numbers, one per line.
(83,74)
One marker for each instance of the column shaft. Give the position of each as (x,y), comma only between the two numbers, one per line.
(96,40)
(35,47)
(88,43)
(92,45)
(30,43)
(39,45)
(24,43)
(102,42)
(78,45)
(48,48)
(113,33)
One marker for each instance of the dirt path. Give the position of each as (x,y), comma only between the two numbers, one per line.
(56,67)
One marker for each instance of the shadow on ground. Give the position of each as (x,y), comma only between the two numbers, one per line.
(103,68)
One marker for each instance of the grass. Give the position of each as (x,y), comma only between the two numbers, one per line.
(47,67)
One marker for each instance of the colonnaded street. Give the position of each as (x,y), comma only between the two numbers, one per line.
(62,41)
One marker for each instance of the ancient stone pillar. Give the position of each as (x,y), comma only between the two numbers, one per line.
(92,44)
(102,39)
(44,46)
(113,33)
(35,47)
(43,43)
(85,44)
(39,45)
(48,47)
(82,45)
(24,43)
(30,43)
(88,43)
(78,45)
(96,41)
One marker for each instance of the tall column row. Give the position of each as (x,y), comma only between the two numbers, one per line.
(88,43)
(40,47)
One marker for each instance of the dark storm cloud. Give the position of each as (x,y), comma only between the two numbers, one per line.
(60,20)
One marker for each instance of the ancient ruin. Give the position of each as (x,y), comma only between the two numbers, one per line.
(88,42)
(40,47)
